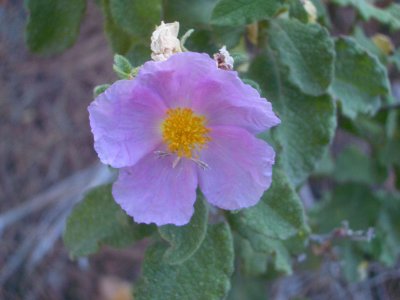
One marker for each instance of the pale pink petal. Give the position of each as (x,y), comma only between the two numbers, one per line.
(225,100)
(240,168)
(125,122)
(152,191)
(175,79)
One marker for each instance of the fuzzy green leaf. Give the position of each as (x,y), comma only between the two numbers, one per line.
(189,13)
(205,275)
(185,240)
(138,18)
(254,263)
(389,15)
(360,79)
(53,26)
(239,12)
(307,51)
(279,214)
(363,169)
(362,208)
(98,221)
(100,89)
(120,40)
(122,67)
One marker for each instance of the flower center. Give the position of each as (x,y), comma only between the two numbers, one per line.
(184,132)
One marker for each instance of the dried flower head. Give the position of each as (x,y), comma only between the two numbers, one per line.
(164,41)
(311,10)
(224,59)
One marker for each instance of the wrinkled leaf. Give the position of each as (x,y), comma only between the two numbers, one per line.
(100,89)
(186,240)
(53,26)
(253,263)
(205,275)
(306,50)
(360,79)
(279,214)
(119,39)
(389,15)
(364,169)
(98,221)
(190,13)
(239,12)
(138,17)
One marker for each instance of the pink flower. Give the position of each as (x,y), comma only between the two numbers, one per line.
(180,124)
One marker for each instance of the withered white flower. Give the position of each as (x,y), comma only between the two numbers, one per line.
(311,11)
(164,41)
(224,59)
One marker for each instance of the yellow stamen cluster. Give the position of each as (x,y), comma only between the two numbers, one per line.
(184,132)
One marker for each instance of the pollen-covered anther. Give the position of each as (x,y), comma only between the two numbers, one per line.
(184,132)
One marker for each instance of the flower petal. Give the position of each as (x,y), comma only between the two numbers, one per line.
(240,168)
(193,80)
(125,122)
(175,79)
(153,192)
(225,100)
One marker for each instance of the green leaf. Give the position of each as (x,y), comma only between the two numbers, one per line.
(362,208)
(206,275)
(122,64)
(250,288)
(282,259)
(360,79)
(389,15)
(366,42)
(297,10)
(307,51)
(98,221)
(100,89)
(351,261)
(194,14)
(253,263)
(352,202)
(364,169)
(120,40)
(389,228)
(279,214)
(395,59)
(138,18)
(186,240)
(53,26)
(239,12)
(322,12)
(122,67)
(308,122)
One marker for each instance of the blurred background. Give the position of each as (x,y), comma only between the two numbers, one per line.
(47,161)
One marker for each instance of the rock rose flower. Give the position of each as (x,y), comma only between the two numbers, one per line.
(182,124)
